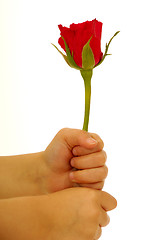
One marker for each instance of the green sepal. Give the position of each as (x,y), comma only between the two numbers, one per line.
(64,56)
(88,61)
(106,50)
(69,57)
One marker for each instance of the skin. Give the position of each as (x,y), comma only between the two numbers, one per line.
(74,213)
(54,194)
(78,149)
(54,169)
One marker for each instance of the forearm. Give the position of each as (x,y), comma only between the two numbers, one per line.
(9,219)
(21,175)
(19,218)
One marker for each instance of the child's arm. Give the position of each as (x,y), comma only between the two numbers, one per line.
(53,169)
(75,213)
(21,175)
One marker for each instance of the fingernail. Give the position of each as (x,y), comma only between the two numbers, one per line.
(74,151)
(72,162)
(91,141)
(71,175)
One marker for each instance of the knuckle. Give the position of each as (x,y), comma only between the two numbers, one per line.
(104,171)
(95,213)
(101,144)
(91,197)
(103,157)
(76,151)
(87,230)
(75,162)
(106,220)
(90,200)
(100,185)
(98,233)
(89,234)
(105,154)
(77,175)
(63,131)
(99,140)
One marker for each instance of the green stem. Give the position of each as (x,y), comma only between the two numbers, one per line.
(87,75)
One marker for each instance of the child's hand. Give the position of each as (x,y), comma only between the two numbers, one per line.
(75,213)
(74,149)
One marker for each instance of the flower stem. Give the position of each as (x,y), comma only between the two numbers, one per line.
(87,75)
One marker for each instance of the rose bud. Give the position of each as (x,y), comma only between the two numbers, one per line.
(82,44)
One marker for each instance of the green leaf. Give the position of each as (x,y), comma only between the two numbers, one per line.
(88,61)
(106,50)
(70,58)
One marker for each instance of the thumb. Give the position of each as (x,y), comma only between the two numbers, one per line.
(108,202)
(76,137)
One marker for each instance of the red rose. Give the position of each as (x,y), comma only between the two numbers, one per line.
(77,36)
(82,44)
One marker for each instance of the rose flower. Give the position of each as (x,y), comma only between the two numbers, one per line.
(78,35)
(82,44)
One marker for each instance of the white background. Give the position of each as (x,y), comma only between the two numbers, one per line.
(40,94)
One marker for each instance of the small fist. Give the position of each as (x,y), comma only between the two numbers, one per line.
(74,158)
(89,164)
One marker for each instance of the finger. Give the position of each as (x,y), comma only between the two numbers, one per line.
(97,138)
(107,201)
(92,160)
(89,175)
(76,137)
(104,219)
(97,186)
(80,150)
(98,233)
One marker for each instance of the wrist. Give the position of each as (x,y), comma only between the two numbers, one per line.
(35,174)
(22,175)
(41,173)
